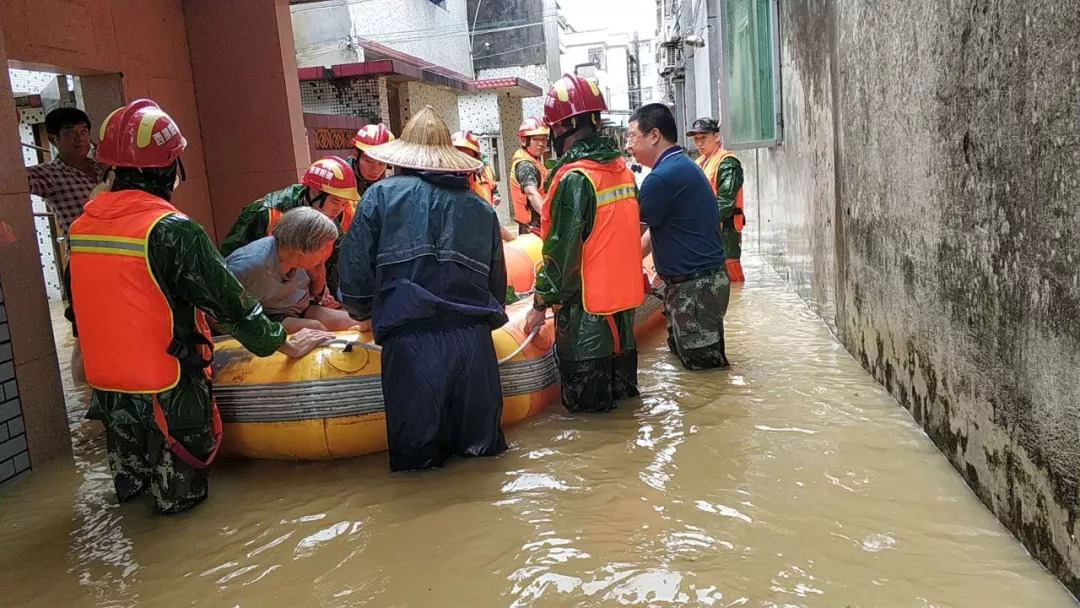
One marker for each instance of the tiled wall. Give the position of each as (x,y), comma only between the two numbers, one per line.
(361,96)
(443,101)
(27,118)
(536,74)
(479,113)
(14,457)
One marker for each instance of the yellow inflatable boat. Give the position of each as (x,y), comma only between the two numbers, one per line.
(329,404)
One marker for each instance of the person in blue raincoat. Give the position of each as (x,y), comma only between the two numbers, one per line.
(423,263)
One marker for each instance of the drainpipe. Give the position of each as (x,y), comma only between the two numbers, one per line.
(678,83)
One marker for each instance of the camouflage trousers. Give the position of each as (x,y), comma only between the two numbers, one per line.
(142,463)
(594,385)
(695,312)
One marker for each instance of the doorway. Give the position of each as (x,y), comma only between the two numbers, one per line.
(37,92)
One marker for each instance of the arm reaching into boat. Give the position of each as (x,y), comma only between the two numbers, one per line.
(193,267)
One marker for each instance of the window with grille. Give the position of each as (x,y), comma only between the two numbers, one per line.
(596,57)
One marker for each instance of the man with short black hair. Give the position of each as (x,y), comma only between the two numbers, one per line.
(66,181)
(684,237)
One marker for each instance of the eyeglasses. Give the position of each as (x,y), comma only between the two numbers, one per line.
(632,136)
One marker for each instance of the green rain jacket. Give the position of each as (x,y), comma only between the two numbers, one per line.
(579,335)
(192,274)
(729,179)
(255,217)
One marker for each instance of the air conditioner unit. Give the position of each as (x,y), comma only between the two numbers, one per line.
(670,59)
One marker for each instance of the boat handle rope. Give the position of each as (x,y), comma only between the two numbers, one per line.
(350,344)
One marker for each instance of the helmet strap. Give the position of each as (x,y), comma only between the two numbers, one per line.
(558,142)
(319,199)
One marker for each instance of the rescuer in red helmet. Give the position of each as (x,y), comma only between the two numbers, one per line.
(483,182)
(527,175)
(592,256)
(328,185)
(142,277)
(367,169)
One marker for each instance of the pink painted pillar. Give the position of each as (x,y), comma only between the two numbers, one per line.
(244,66)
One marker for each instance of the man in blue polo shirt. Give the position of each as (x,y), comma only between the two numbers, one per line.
(678,205)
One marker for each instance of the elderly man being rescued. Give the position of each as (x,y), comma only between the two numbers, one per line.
(272,270)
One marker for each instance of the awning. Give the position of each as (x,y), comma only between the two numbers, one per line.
(515,87)
(395,65)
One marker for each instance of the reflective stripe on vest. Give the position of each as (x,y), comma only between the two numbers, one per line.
(611,254)
(711,166)
(124,319)
(517,197)
(274,216)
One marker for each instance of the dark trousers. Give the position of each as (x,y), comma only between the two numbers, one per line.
(443,396)
(594,385)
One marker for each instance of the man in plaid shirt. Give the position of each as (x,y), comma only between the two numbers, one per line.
(66,182)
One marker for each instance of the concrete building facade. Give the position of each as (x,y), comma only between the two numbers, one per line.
(923,203)
(329,33)
(224,70)
(605,56)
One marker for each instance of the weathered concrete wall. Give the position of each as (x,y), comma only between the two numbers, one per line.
(944,136)
(790,189)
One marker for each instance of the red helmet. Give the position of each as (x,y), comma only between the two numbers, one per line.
(333,176)
(532,126)
(370,136)
(466,140)
(140,135)
(572,95)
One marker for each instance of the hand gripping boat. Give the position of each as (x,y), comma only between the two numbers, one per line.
(329,403)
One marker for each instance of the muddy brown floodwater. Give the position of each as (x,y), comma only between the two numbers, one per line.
(791,480)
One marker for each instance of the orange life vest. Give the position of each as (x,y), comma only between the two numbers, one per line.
(517,196)
(483,182)
(611,255)
(710,166)
(125,322)
(124,319)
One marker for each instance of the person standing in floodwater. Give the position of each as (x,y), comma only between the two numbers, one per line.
(143,276)
(684,237)
(725,175)
(592,256)
(423,261)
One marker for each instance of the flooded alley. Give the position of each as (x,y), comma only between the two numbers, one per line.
(791,480)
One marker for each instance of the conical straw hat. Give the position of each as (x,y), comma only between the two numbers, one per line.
(425,144)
